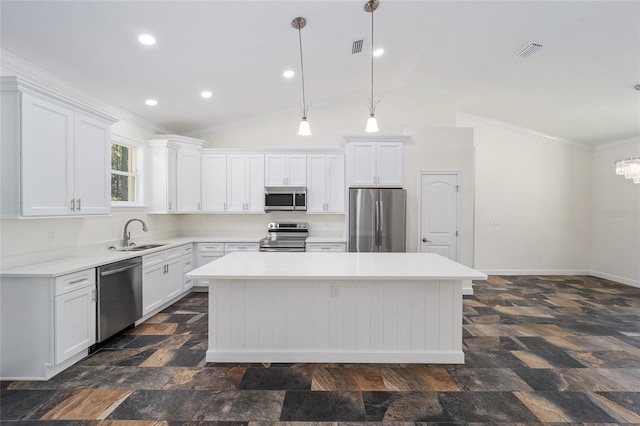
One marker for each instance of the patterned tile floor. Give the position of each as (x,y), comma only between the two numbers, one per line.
(538,350)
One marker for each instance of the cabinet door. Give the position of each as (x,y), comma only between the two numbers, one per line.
(47,158)
(172,176)
(362,164)
(203,259)
(316,183)
(173,280)
(152,278)
(236,183)
(334,183)
(390,164)
(75,322)
(296,169)
(275,170)
(214,183)
(189,178)
(255,183)
(92,177)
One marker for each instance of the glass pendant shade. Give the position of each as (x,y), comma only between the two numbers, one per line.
(372,125)
(304,129)
(629,168)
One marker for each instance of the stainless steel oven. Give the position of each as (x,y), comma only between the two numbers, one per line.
(285,237)
(278,198)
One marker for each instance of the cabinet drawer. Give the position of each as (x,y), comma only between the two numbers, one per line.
(325,247)
(172,253)
(152,259)
(187,263)
(210,247)
(232,247)
(70,282)
(187,248)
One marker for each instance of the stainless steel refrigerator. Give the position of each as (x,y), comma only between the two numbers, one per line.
(377,219)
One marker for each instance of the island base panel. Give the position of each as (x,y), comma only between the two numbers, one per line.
(297,320)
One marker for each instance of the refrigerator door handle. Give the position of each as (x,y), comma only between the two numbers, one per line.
(380,223)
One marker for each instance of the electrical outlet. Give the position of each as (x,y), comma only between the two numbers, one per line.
(493,222)
(52,235)
(336,291)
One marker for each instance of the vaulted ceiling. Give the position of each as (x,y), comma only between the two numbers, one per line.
(579,86)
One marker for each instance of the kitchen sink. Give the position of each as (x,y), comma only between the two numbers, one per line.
(143,247)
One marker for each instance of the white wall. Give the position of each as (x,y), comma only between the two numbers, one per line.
(615,242)
(539,193)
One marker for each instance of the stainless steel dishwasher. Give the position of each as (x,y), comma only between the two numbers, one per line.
(119,297)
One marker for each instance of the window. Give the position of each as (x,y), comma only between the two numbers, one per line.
(126,166)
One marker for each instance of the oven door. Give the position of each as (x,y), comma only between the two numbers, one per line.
(300,201)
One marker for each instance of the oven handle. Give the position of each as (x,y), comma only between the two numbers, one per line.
(300,249)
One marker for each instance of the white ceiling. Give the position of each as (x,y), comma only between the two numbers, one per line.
(578,87)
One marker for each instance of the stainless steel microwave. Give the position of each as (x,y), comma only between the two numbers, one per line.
(285,199)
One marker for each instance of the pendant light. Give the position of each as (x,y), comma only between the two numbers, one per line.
(303,130)
(372,123)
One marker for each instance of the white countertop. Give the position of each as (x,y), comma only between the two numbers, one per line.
(252,265)
(327,240)
(95,258)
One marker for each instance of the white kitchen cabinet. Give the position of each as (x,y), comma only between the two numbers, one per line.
(285,169)
(188,264)
(325,247)
(46,323)
(162,278)
(173,177)
(189,180)
(205,253)
(325,183)
(375,163)
(214,182)
(234,247)
(245,183)
(55,154)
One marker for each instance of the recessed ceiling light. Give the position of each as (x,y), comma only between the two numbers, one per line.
(288,74)
(151,102)
(147,39)
(378,52)
(206,94)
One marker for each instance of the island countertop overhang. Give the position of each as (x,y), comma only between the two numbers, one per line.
(339,266)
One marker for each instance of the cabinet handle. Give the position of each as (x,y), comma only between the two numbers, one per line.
(93,296)
(79,204)
(198,206)
(73,204)
(169,205)
(77,281)
(224,206)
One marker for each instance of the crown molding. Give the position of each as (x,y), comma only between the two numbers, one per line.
(37,76)
(526,130)
(616,144)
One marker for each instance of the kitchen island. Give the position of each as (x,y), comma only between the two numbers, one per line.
(335,307)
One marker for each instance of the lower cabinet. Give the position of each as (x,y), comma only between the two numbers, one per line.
(205,253)
(162,278)
(46,324)
(325,247)
(187,265)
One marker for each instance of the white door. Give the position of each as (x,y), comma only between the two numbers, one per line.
(390,164)
(214,182)
(75,322)
(296,170)
(334,183)
(92,178)
(172,184)
(236,182)
(275,173)
(439,214)
(315,183)
(152,277)
(189,180)
(172,279)
(254,192)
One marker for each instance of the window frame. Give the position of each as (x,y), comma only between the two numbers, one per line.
(138,149)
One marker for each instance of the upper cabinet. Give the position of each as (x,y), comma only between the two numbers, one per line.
(214,182)
(375,161)
(55,154)
(285,169)
(173,177)
(325,183)
(245,183)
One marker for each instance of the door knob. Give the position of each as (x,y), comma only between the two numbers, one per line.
(424,240)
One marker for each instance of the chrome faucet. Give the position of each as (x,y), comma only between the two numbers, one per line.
(127,235)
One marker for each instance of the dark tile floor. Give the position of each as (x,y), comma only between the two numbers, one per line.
(538,350)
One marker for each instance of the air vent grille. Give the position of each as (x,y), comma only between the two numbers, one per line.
(529,50)
(356,46)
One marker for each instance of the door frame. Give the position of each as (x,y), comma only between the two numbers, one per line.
(422,173)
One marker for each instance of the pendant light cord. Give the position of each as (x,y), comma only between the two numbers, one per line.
(372,108)
(304,101)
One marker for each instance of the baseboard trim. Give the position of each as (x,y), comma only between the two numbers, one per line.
(537,272)
(616,278)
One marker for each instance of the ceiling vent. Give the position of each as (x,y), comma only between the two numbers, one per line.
(356,46)
(529,50)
